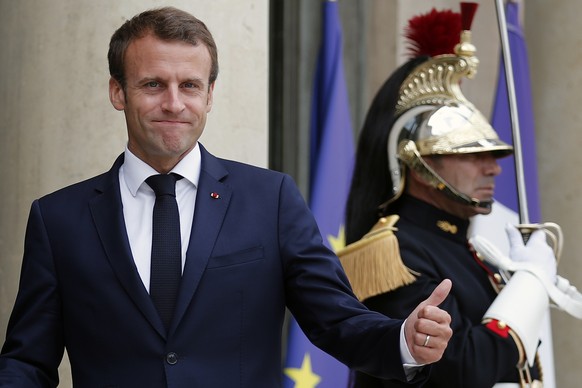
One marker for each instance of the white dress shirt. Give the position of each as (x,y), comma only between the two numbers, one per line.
(138,203)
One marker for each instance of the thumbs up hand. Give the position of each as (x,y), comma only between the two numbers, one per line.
(428,328)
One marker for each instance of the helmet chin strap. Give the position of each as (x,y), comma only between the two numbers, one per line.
(409,154)
(450,192)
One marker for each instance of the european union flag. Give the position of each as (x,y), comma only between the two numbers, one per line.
(331,163)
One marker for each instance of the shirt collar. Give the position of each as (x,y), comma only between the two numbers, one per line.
(136,171)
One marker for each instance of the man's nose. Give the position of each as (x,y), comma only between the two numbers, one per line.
(173,100)
(490,165)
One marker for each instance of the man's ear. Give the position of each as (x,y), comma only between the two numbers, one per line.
(116,94)
(209,97)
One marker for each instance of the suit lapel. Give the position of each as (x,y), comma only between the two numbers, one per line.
(107,212)
(212,200)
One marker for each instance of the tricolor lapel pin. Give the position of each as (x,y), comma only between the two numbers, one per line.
(215,195)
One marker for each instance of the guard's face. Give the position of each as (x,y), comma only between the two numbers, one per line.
(166,99)
(471,174)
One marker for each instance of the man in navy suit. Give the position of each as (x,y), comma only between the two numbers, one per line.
(249,247)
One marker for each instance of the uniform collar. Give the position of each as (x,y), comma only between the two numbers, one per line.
(432,219)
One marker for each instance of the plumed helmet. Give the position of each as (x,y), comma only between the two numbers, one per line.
(433,117)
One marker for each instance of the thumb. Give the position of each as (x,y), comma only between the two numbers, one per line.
(439,294)
(514,236)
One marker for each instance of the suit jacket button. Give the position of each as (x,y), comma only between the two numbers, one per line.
(171,358)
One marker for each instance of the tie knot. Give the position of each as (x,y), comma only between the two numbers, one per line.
(163,184)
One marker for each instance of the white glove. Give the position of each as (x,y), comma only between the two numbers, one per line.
(565,296)
(535,251)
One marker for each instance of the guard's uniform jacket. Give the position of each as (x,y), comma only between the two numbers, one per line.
(434,244)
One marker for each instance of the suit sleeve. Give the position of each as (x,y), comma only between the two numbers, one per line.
(319,296)
(34,340)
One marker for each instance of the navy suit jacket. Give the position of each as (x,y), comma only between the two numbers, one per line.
(252,251)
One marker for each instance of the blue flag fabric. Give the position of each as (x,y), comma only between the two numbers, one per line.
(331,163)
(332,139)
(501,121)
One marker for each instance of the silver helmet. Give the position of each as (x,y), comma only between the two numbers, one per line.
(435,118)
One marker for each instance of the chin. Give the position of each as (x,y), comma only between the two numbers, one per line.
(483,211)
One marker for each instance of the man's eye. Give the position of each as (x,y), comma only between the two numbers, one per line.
(190,85)
(153,84)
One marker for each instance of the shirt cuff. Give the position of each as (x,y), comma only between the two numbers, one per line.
(411,367)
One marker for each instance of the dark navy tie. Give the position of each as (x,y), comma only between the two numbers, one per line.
(166,265)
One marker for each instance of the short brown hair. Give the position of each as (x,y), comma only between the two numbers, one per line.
(167,23)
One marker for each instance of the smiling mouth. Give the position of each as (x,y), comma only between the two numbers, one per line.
(171,122)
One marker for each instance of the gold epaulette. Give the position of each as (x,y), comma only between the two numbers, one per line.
(373,264)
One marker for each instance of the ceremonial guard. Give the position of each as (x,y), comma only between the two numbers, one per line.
(426,163)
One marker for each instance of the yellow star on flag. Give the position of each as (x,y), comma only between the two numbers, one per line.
(337,242)
(303,377)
